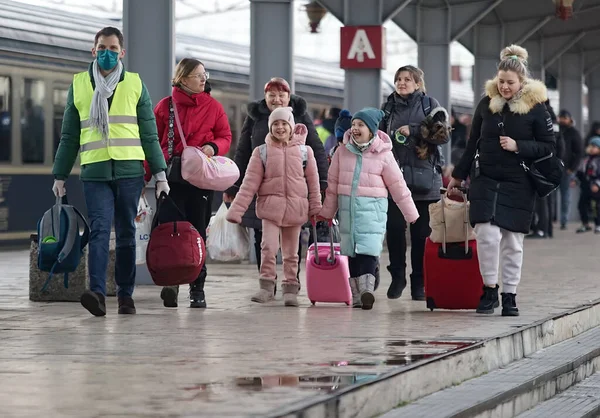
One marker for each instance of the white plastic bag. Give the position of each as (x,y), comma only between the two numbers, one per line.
(143,225)
(226,241)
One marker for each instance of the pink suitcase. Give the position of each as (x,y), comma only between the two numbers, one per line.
(327,273)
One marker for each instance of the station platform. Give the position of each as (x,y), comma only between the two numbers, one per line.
(241,359)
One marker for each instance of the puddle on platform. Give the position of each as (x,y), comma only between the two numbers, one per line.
(326,383)
(402,353)
(392,353)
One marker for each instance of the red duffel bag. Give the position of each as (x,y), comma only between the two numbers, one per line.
(176,251)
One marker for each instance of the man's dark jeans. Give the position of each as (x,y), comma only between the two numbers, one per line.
(107,202)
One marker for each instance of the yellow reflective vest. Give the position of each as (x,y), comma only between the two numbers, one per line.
(124,141)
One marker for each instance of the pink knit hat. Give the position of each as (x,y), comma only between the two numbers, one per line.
(282,113)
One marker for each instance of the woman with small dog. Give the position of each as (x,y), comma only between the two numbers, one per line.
(418,126)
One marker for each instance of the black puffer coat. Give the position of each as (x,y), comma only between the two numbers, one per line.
(409,111)
(254,132)
(503,193)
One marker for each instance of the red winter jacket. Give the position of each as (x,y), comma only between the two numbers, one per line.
(203,120)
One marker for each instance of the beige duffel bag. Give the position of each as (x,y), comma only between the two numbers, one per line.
(449,220)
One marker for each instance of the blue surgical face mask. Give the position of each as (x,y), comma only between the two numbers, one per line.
(107,59)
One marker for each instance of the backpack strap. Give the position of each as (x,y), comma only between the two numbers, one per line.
(262,150)
(72,232)
(82,223)
(304,153)
(426,103)
(388,109)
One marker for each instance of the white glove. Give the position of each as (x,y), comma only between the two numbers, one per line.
(58,188)
(162,186)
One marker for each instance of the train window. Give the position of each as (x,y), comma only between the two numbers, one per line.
(59,102)
(5,119)
(32,120)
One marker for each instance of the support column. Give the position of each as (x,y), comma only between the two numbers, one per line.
(150,27)
(488,42)
(593,84)
(271,43)
(150,51)
(570,85)
(433,40)
(362,87)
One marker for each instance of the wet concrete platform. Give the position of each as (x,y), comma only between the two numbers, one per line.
(240,359)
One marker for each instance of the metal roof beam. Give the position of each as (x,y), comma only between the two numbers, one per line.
(470,17)
(564,48)
(588,70)
(407,20)
(589,31)
(533,30)
(586,9)
(392,8)
(335,7)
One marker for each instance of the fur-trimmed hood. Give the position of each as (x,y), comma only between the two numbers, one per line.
(259,110)
(532,92)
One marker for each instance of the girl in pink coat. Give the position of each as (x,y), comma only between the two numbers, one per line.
(362,171)
(283,173)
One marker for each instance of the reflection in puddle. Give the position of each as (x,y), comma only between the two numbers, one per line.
(392,353)
(327,383)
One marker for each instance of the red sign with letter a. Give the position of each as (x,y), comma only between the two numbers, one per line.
(362,47)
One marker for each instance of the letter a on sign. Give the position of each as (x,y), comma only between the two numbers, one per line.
(360,46)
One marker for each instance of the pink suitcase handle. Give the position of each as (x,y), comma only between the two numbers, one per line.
(331,256)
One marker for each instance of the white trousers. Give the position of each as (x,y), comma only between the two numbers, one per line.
(499,250)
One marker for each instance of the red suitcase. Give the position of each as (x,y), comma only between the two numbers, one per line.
(451,274)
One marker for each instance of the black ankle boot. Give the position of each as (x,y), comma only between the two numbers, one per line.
(398,283)
(509,304)
(396,288)
(489,300)
(417,288)
(169,295)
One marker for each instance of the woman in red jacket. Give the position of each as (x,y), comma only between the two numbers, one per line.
(205,125)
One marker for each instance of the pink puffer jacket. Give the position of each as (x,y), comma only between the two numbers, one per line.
(358,184)
(287,193)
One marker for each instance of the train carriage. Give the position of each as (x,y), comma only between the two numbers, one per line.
(41,49)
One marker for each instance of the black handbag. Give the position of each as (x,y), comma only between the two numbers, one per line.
(419,180)
(174,162)
(545,173)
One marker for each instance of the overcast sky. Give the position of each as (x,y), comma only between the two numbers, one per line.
(234,26)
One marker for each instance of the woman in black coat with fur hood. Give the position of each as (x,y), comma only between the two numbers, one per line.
(254,131)
(511,126)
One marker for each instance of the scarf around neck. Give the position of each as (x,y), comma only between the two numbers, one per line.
(105,86)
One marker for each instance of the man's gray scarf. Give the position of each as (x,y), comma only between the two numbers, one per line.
(105,86)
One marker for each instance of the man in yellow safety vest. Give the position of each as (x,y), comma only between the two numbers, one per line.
(109,120)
